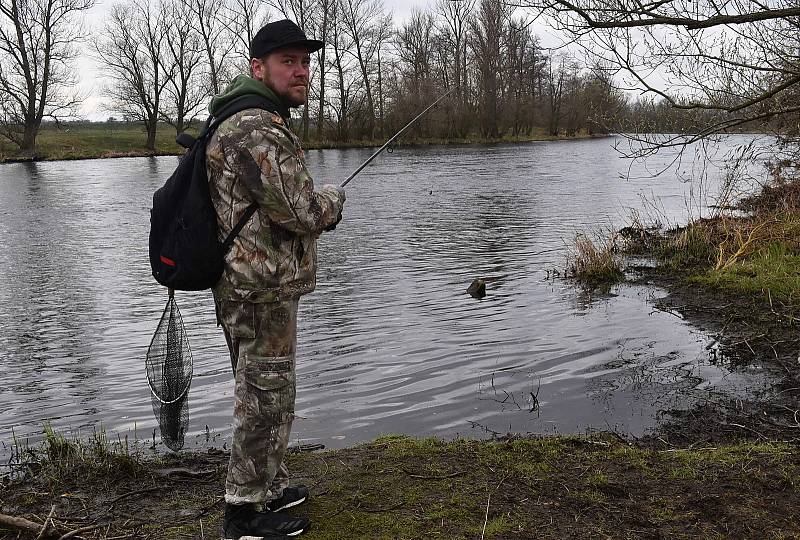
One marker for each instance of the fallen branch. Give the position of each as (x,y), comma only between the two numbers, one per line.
(76,532)
(19,523)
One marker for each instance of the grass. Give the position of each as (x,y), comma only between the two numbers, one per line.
(773,270)
(400,487)
(754,254)
(79,140)
(97,140)
(752,250)
(60,461)
(594,262)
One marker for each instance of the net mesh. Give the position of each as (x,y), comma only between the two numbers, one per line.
(169,358)
(169,374)
(173,419)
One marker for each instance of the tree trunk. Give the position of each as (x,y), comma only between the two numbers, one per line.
(28,146)
(151,126)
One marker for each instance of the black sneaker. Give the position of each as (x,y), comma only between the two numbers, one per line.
(242,522)
(292,496)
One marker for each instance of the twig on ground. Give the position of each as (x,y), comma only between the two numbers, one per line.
(76,532)
(47,522)
(488,500)
(486,516)
(745,428)
(442,477)
(131,493)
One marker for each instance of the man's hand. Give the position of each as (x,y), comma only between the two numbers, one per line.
(342,198)
(339,190)
(333,225)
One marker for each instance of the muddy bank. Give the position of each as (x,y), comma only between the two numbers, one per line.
(397,487)
(752,333)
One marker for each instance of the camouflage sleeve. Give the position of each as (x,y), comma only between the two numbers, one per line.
(277,179)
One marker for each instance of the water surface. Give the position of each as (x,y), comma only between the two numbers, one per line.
(390,342)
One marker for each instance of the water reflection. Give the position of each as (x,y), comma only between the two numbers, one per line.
(390,341)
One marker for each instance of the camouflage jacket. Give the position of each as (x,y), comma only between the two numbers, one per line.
(254,157)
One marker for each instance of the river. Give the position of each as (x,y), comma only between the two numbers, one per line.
(389,342)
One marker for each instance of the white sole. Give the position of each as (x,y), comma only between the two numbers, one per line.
(293,503)
(297,533)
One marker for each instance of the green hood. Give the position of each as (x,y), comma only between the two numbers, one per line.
(244,85)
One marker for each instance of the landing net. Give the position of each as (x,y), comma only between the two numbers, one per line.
(169,374)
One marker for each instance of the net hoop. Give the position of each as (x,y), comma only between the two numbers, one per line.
(190,372)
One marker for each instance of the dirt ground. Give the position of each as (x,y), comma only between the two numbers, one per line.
(403,488)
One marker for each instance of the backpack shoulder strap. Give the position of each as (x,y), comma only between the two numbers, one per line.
(241,103)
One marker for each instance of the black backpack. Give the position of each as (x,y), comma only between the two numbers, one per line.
(185,253)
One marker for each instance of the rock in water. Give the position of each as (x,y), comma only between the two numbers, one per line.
(477,289)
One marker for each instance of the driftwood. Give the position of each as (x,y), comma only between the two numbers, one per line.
(20,524)
(47,530)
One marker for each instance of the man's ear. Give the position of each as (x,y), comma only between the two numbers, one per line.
(257,68)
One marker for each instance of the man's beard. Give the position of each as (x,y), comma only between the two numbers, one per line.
(290,101)
(285,97)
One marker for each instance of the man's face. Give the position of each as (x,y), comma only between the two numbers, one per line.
(285,71)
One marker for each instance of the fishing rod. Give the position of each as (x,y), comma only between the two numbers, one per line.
(395,136)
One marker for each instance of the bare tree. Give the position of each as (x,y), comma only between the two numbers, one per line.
(414,46)
(455,16)
(342,67)
(363,22)
(321,31)
(182,58)
(735,59)
(209,23)
(554,92)
(37,43)
(243,19)
(130,49)
(488,29)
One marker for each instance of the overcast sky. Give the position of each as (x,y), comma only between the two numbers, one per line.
(91,76)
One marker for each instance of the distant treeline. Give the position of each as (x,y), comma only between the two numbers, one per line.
(163,59)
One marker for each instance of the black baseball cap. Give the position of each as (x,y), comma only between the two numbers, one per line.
(281,34)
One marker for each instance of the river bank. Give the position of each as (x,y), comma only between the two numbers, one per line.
(397,487)
(734,276)
(106,140)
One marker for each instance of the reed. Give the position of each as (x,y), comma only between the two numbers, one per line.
(594,262)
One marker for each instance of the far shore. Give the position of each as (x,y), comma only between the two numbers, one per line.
(119,140)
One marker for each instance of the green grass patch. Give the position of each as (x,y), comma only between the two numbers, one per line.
(96,140)
(774,270)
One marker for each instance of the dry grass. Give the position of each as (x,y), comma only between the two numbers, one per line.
(594,262)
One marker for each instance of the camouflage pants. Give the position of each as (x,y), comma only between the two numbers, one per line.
(262,340)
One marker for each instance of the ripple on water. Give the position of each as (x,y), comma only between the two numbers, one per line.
(390,341)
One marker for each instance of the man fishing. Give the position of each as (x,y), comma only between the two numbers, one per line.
(255,157)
